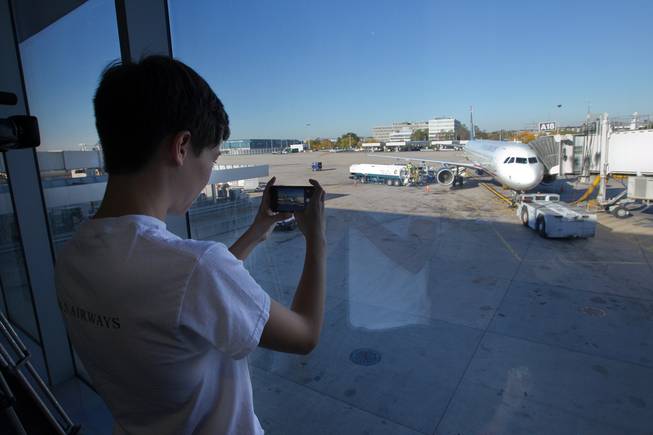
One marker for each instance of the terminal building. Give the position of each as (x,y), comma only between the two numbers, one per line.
(382,133)
(402,135)
(439,129)
(445,128)
(257,146)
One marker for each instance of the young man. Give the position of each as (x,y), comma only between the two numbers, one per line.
(162,324)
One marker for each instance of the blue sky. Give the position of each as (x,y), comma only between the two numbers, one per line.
(350,65)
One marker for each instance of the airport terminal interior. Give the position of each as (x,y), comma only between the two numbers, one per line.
(450,309)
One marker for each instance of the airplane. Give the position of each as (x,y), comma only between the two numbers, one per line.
(513,164)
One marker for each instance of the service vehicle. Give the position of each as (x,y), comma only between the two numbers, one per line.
(392,175)
(551,218)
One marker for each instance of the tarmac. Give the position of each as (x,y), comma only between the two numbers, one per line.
(445,315)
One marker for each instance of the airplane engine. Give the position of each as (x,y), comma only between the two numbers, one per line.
(445,176)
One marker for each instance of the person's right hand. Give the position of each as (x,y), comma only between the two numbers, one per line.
(312,221)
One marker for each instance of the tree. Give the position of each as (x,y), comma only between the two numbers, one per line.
(348,140)
(480,134)
(463,133)
(501,134)
(524,136)
(420,134)
(320,144)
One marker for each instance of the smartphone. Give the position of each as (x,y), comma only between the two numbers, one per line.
(290,198)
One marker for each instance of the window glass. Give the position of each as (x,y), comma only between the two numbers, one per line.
(532,160)
(15,297)
(62,65)
(365,85)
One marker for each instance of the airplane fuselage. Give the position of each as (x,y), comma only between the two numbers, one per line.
(513,164)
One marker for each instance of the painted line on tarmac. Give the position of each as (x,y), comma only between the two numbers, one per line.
(564,260)
(567,261)
(504,241)
(507,245)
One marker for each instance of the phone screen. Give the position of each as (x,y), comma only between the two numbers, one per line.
(290,198)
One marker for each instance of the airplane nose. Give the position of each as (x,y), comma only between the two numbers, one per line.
(535,177)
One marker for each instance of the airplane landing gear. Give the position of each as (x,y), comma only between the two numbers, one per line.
(457,181)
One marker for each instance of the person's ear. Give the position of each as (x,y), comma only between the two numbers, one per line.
(180,146)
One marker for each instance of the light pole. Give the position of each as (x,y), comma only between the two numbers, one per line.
(560,146)
(308,138)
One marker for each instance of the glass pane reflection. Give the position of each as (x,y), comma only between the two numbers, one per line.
(62,65)
(14,285)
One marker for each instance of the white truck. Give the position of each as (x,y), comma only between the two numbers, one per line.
(551,218)
(392,175)
(294,148)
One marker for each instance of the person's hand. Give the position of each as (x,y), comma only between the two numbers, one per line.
(266,219)
(312,221)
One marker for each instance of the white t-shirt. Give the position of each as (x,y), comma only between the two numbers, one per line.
(162,325)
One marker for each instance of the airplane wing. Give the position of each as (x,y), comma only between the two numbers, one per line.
(442,162)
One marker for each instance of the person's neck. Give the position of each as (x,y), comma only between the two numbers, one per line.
(133,194)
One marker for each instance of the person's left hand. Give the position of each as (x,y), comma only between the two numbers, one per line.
(266,219)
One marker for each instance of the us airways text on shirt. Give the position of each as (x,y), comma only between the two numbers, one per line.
(98,320)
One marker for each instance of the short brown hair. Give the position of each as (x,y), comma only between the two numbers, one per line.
(138,105)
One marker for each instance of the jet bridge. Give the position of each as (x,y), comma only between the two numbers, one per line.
(547,149)
(625,151)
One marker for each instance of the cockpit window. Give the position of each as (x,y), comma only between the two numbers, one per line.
(521,160)
(510,160)
(532,160)
(506,160)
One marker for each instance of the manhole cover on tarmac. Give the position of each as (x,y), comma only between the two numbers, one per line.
(365,357)
(593,311)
